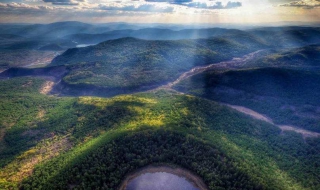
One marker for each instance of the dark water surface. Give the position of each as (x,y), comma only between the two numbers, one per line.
(159,181)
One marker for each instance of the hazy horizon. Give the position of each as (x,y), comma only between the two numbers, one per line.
(211,94)
(179,26)
(160,11)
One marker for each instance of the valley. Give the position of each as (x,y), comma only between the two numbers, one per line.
(229,110)
(28,59)
(235,63)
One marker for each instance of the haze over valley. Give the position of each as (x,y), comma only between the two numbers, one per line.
(160,104)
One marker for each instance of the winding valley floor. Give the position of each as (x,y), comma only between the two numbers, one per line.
(256,115)
(234,64)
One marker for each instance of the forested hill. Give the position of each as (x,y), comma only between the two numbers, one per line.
(151,34)
(273,36)
(288,96)
(130,63)
(292,36)
(120,50)
(307,56)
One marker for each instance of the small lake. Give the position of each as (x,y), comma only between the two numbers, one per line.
(159,181)
(84,45)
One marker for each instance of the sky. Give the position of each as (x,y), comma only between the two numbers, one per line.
(160,11)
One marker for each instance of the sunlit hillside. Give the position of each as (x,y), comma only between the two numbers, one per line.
(160,95)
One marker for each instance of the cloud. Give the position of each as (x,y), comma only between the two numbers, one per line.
(21,12)
(201,4)
(138,8)
(63,2)
(24,12)
(171,1)
(217,5)
(231,5)
(19,8)
(307,4)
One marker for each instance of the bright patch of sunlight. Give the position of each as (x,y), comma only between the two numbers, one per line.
(23,166)
(103,102)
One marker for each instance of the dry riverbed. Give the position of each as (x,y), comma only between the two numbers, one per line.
(256,115)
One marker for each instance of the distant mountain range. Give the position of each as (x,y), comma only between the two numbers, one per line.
(240,109)
(71,34)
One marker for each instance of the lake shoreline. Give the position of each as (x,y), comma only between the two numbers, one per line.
(195,180)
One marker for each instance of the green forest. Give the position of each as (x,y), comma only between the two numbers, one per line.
(287,95)
(54,142)
(239,109)
(130,63)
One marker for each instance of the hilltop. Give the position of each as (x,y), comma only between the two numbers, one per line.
(130,64)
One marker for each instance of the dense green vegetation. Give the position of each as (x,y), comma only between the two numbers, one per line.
(23,115)
(74,133)
(97,171)
(51,142)
(132,63)
(287,96)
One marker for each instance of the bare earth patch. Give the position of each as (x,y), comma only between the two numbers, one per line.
(41,60)
(256,115)
(29,83)
(304,133)
(250,112)
(46,87)
(32,132)
(23,166)
(41,114)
